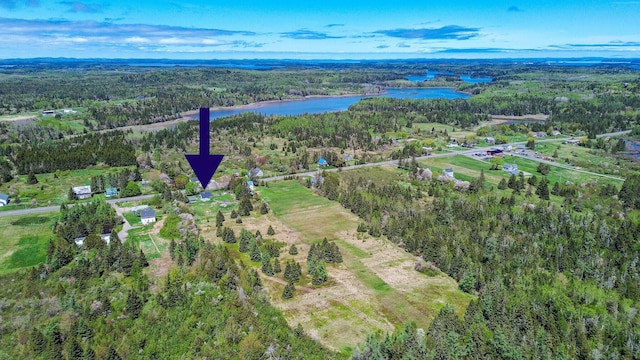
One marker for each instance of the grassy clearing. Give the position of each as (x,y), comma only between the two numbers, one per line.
(24,240)
(51,190)
(375,288)
(560,174)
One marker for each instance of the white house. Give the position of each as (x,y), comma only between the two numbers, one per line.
(4,199)
(106,238)
(147,216)
(256,173)
(511,169)
(448,172)
(82,192)
(79,241)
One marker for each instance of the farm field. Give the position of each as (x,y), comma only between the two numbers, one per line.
(375,287)
(24,240)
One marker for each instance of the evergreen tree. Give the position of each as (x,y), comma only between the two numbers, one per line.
(255,254)
(513,182)
(71,195)
(267,267)
(134,304)
(319,275)
(293,250)
(245,206)
(219,218)
(289,289)
(276,266)
(32,179)
(246,238)
(503,184)
(37,342)
(292,271)
(73,349)
(270,231)
(543,188)
(112,354)
(264,208)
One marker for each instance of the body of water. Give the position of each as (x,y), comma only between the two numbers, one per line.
(335,103)
(431,74)
(475,80)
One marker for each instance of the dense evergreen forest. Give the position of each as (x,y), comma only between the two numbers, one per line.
(102,306)
(552,282)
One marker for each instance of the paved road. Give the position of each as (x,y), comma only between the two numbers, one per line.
(452,153)
(346,168)
(45,209)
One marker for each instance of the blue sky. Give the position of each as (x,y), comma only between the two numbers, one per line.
(325,29)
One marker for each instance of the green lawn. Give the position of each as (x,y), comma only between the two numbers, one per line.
(221,200)
(50,190)
(149,244)
(24,240)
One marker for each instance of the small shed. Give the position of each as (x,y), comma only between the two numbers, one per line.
(322,162)
(448,172)
(110,192)
(205,196)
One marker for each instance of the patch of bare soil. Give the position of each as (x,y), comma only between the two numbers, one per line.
(501,119)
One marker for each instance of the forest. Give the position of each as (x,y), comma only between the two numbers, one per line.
(550,263)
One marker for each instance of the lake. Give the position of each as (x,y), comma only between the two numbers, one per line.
(319,105)
(431,74)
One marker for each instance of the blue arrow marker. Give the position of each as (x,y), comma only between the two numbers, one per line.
(204,164)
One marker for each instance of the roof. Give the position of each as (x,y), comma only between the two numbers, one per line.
(205,195)
(4,197)
(147,213)
(78,190)
(135,209)
(448,170)
(111,191)
(322,161)
(256,172)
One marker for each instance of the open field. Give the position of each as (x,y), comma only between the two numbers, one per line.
(374,288)
(51,190)
(24,240)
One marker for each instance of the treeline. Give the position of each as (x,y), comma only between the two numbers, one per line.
(111,148)
(551,281)
(145,95)
(90,310)
(95,217)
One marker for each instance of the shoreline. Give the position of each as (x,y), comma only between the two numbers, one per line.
(259,104)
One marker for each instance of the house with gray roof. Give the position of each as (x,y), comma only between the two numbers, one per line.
(82,192)
(147,216)
(4,199)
